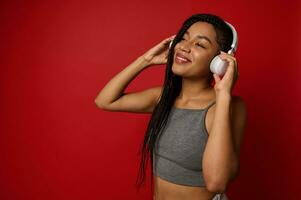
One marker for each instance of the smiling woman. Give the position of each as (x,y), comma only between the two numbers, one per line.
(196,127)
(195,52)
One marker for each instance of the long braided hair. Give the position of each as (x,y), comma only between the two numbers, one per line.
(172,87)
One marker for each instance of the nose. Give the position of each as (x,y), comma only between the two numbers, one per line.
(185,46)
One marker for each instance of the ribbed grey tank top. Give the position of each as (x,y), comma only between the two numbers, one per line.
(179,151)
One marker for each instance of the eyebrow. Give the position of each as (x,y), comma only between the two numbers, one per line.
(201,37)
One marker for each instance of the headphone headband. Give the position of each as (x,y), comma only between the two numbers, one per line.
(235,39)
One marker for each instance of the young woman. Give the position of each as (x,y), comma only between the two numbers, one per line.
(196,127)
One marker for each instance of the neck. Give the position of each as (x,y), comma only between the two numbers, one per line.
(195,89)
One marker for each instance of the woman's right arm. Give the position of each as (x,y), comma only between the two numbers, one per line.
(113,98)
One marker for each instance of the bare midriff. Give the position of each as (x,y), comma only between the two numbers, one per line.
(165,190)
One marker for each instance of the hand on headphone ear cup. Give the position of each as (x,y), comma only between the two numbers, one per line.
(218,66)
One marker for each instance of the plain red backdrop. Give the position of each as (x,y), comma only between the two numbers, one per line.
(57,55)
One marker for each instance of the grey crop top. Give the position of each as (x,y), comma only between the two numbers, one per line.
(179,151)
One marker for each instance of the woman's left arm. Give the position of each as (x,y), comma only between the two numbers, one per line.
(221,156)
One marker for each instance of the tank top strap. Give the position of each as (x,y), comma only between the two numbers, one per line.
(211,104)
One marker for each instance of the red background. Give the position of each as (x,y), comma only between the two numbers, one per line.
(57,55)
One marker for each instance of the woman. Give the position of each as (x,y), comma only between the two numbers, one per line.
(196,127)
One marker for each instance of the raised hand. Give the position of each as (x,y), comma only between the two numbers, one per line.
(227,82)
(158,54)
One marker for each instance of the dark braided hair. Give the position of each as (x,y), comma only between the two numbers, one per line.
(172,87)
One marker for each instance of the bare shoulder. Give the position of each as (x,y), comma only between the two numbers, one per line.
(238,121)
(236,98)
(238,104)
(238,113)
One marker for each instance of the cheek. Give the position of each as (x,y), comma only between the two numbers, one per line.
(202,59)
(202,64)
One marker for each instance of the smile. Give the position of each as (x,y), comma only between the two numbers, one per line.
(181,60)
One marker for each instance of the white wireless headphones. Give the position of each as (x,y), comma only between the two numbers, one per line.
(217,65)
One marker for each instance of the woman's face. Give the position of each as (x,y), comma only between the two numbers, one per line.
(199,45)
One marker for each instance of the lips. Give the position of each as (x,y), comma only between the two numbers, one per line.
(182,58)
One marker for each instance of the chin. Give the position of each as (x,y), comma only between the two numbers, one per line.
(177,70)
(181,69)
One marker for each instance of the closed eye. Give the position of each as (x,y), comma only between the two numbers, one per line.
(198,44)
(201,45)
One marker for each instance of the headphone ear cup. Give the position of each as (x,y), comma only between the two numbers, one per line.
(218,66)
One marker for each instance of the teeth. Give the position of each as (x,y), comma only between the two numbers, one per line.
(182,59)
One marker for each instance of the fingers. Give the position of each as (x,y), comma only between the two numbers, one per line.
(216,78)
(172,37)
(232,63)
(168,40)
(230,55)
